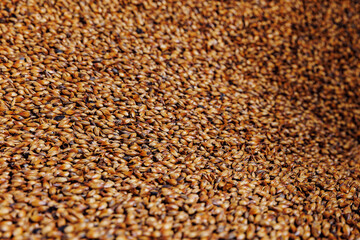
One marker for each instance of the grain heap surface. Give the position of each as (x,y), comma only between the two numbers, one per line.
(179,119)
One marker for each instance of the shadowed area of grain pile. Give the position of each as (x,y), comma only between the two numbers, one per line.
(180,119)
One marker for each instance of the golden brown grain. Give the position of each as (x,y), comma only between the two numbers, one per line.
(179,119)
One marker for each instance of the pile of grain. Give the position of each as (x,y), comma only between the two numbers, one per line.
(179,119)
